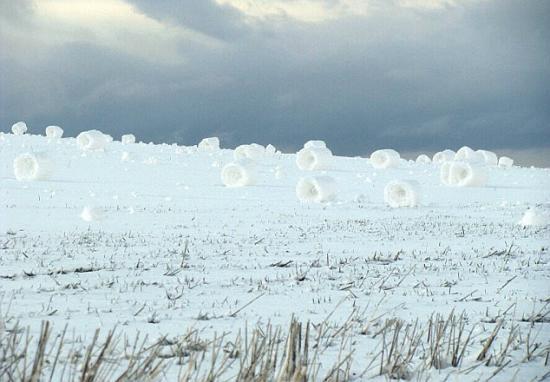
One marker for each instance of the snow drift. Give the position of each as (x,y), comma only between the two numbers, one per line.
(209,144)
(314,158)
(400,193)
(128,139)
(19,128)
(385,158)
(92,140)
(54,132)
(316,189)
(238,174)
(462,174)
(34,166)
(443,156)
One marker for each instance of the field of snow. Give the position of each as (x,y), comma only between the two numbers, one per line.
(146,239)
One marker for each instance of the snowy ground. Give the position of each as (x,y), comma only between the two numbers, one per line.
(178,250)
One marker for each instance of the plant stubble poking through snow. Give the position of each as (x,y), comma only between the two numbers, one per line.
(252,151)
(443,156)
(316,189)
(92,140)
(385,158)
(209,144)
(19,128)
(128,139)
(423,159)
(35,166)
(90,214)
(462,174)
(314,158)
(505,162)
(532,217)
(54,132)
(399,193)
(238,174)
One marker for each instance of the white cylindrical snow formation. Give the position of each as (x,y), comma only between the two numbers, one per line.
(316,189)
(385,158)
(505,162)
(90,214)
(238,174)
(35,166)
(314,144)
(270,150)
(54,132)
(423,158)
(532,217)
(399,193)
(209,144)
(128,139)
(92,140)
(462,174)
(252,151)
(19,128)
(314,158)
(489,157)
(466,154)
(443,156)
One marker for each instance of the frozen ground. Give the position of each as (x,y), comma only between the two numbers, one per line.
(177,252)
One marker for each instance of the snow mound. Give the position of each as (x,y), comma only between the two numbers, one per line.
(19,128)
(92,140)
(314,158)
(462,174)
(54,132)
(90,214)
(128,139)
(385,158)
(505,162)
(238,174)
(209,144)
(34,166)
(316,189)
(400,193)
(443,156)
(423,158)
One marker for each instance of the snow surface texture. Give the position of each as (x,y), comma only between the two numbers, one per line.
(54,132)
(19,128)
(314,158)
(386,158)
(316,189)
(238,174)
(32,166)
(462,174)
(92,140)
(400,193)
(128,139)
(179,251)
(209,144)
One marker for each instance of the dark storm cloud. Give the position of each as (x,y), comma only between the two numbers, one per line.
(475,74)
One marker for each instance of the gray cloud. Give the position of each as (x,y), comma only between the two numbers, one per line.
(475,74)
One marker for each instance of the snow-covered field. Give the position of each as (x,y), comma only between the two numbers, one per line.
(164,249)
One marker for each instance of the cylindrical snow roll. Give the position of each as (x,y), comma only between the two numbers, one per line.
(489,157)
(505,162)
(54,132)
(92,140)
(423,158)
(314,144)
(385,158)
(270,150)
(209,144)
(466,154)
(443,156)
(35,166)
(400,193)
(238,174)
(128,139)
(316,189)
(90,214)
(19,128)
(462,174)
(252,151)
(314,158)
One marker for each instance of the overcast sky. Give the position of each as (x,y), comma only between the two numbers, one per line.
(414,75)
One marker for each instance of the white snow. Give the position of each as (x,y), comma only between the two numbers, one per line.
(314,158)
(505,162)
(385,158)
(92,140)
(19,128)
(533,217)
(32,166)
(402,193)
(316,189)
(423,159)
(463,174)
(443,156)
(128,139)
(209,144)
(238,174)
(54,132)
